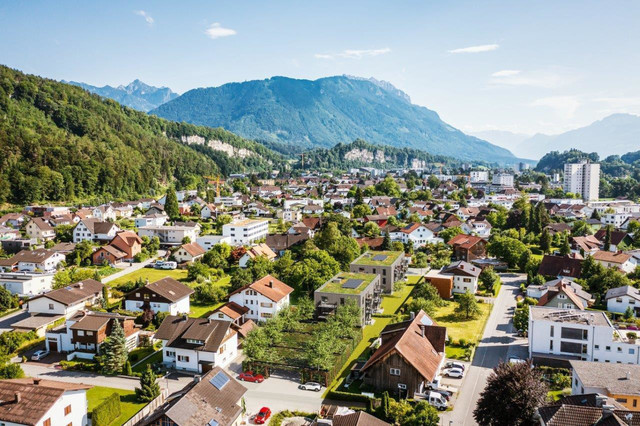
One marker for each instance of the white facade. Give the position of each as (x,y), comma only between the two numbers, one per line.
(247,231)
(502,179)
(583,179)
(44,305)
(463,283)
(169,234)
(615,219)
(479,176)
(419,236)
(26,284)
(82,233)
(179,307)
(55,416)
(261,308)
(622,303)
(50,264)
(189,359)
(151,220)
(208,241)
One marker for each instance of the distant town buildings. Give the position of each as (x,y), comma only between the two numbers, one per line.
(583,179)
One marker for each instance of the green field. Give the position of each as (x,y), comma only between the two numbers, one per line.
(151,274)
(460,328)
(128,402)
(156,357)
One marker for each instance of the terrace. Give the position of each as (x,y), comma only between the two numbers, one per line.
(347,283)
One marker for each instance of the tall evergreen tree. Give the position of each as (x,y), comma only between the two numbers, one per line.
(607,239)
(113,351)
(545,241)
(358,199)
(171,204)
(149,389)
(386,242)
(565,248)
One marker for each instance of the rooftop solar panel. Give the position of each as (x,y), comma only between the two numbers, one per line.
(219,380)
(380,257)
(352,283)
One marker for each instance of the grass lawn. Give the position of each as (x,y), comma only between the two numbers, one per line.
(454,352)
(157,357)
(554,395)
(128,402)
(139,353)
(151,274)
(390,304)
(199,310)
(459,328)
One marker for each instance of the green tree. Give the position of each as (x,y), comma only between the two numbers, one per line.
(418,304)
(149,388)
(423,414)
(545,241)
(607,239)
(361,210)
(467,305)
(240,278)
(508,249)
(521,318)
(113,351)
(580,228)
(520,391)
(427,291)
(565,248)
(386,242)
(128,371)
(449,233)
(171,204)
(371,229)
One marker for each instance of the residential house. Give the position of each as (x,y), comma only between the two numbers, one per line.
(289,215)
(208,241)
(64,248)
(620,382)
(247,231)
(259,250)
(390,265)
(94,230)
(82,335)
(151,220)
(617,238)
(442,282)
(13,220)
(170,235)
(189,252)
(264,297)
(231,312)
(38,260)
(104,213)
(622,261)
(416,233)
(620,299)
(564,295)
(468,247)
(585,410)
(40,229)
(465,276)
(128,242)
(279,243)
(196,344)
(108,254)
(363,289)
(66,301)
(35,401)
(560,266)
(165,295)
(26,284)
(408,359)
(209,210)
(214,399)
(585,245)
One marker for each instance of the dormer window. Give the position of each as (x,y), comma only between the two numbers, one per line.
(195,341)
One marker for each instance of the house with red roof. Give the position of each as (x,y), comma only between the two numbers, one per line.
(264,298)
(468,247)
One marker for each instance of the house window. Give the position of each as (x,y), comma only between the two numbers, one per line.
(402,386)
(394,371)
(596,346)
(632,351)
(183,358)
(265,315)
(137,294)
(80,332)
(146,297)
(619,300)
(67,410)
(551,331)
(170,354)
(220,315)
(89,333)
(635,403)
(607,348)
(622,400)
(50,305)
(466,280)
(47,422)
(550,345)
(619,349)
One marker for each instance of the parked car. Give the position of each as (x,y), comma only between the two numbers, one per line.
(455,373)
(445,393)
(454,364)
(166,265)
(516,360)
(437,400)
(38,355)
(311,386)
(262,416)
(248,376)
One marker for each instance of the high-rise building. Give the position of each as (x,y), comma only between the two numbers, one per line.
(503,179)
(582,178)
(479,176)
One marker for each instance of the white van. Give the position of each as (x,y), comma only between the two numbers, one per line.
(438,401)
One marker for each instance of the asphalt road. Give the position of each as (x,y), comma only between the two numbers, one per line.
(498,343)
(131,268)
(6,321)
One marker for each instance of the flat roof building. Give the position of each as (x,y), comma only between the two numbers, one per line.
(363,289)
(390,265)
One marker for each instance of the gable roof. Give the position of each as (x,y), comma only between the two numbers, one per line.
(422,352)
(232,310)
(32,256)
(565,289)
(462,268)
(96,226)
(359,418)
(177,329)
(74,293)
(261,249)
(118,254)
(127,237)
(464,241)
(626,290)
(269,286)
(616,236)
(35,400)
(560,266)
(611,257)
(169,288)
(42,224)
(194,249)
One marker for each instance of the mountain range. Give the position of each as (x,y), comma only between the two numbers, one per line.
(613,135)
(136,94)
(325,112)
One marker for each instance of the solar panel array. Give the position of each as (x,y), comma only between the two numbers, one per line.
(380,257)
(219,380)
(352,283)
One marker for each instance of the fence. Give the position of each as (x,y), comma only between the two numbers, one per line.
(147,409)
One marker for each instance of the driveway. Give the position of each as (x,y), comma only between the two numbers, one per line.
(131,267)
(6,321)
(499,342)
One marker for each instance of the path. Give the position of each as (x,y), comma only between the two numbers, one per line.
(7,320)
(498,343)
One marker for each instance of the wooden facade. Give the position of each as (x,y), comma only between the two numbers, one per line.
(380,378)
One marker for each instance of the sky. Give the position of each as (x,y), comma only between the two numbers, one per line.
(525,67)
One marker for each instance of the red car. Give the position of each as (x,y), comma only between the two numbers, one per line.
(248,376)
(262,416)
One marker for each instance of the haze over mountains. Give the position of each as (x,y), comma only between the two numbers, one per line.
(324,112)
(615,134)
(136,94)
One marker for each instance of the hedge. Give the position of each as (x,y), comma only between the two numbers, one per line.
(107,411)
(347,396)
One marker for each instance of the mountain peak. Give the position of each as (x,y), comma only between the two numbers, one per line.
(382,84)
(137,94)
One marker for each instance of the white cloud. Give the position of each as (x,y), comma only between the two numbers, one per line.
(215,30)
(564,106)
(354,54)
(145,15)
(506,73)
(476,49)
(536,78)
(620,102)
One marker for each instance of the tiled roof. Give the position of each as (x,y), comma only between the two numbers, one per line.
(270,287)
(177,329)
(611,257)
(359,418)
(74,293)
(194,249)
(170,289)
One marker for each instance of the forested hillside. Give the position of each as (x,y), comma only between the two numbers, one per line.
(59,142)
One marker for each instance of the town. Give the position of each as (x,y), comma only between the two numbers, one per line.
(368,297)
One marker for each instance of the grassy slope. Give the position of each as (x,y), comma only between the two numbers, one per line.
(128,402)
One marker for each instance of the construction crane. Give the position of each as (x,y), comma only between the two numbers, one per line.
(217,181)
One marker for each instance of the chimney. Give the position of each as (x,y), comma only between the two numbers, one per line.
(80,284)
(18,397)
(185,317)
(270,283)
(36,381)
(412,315)
(628,375)
(607,410)
(146,281)
(197,379)
(600,400)
(422,327)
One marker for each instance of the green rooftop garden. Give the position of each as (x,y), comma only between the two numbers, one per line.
(378,258)
(335,284)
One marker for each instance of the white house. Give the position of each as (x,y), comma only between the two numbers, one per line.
(196,344)
(34,401)
(417,233)
(615,219)
(67,300)
(155,219)
(264,298)
(246,231)
(257,251)
(189,252)
(618,260)
(169,234)
(41,260)
(209,210)
(588,335)
(40,229)
(104,213)
(465,276)
(619,299)
(165,295)
(208,241)
(94,230)
(25,283)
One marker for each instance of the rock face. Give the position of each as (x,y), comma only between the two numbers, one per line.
(218,145)
(136,94)
(365,155)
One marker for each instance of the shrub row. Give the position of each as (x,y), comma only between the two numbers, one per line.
(107,411)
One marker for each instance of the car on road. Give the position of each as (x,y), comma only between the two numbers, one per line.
(166,265)
(445,393)
(455,364)
(516,360)
(313,386)
(248,376)
(38,355)
(262,416)
(455,373)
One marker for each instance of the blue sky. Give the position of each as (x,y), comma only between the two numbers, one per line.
(543,66)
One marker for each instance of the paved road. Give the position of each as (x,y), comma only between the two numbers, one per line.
(498,343)
(6,321)
(132,268)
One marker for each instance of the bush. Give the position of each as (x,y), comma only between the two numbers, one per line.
(107,411)
(277,419)
(13,340)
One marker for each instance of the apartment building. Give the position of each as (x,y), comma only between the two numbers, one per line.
(582,178)
(246,231)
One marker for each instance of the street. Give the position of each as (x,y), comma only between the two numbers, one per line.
(7,320)
(132,268)
(497,344)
